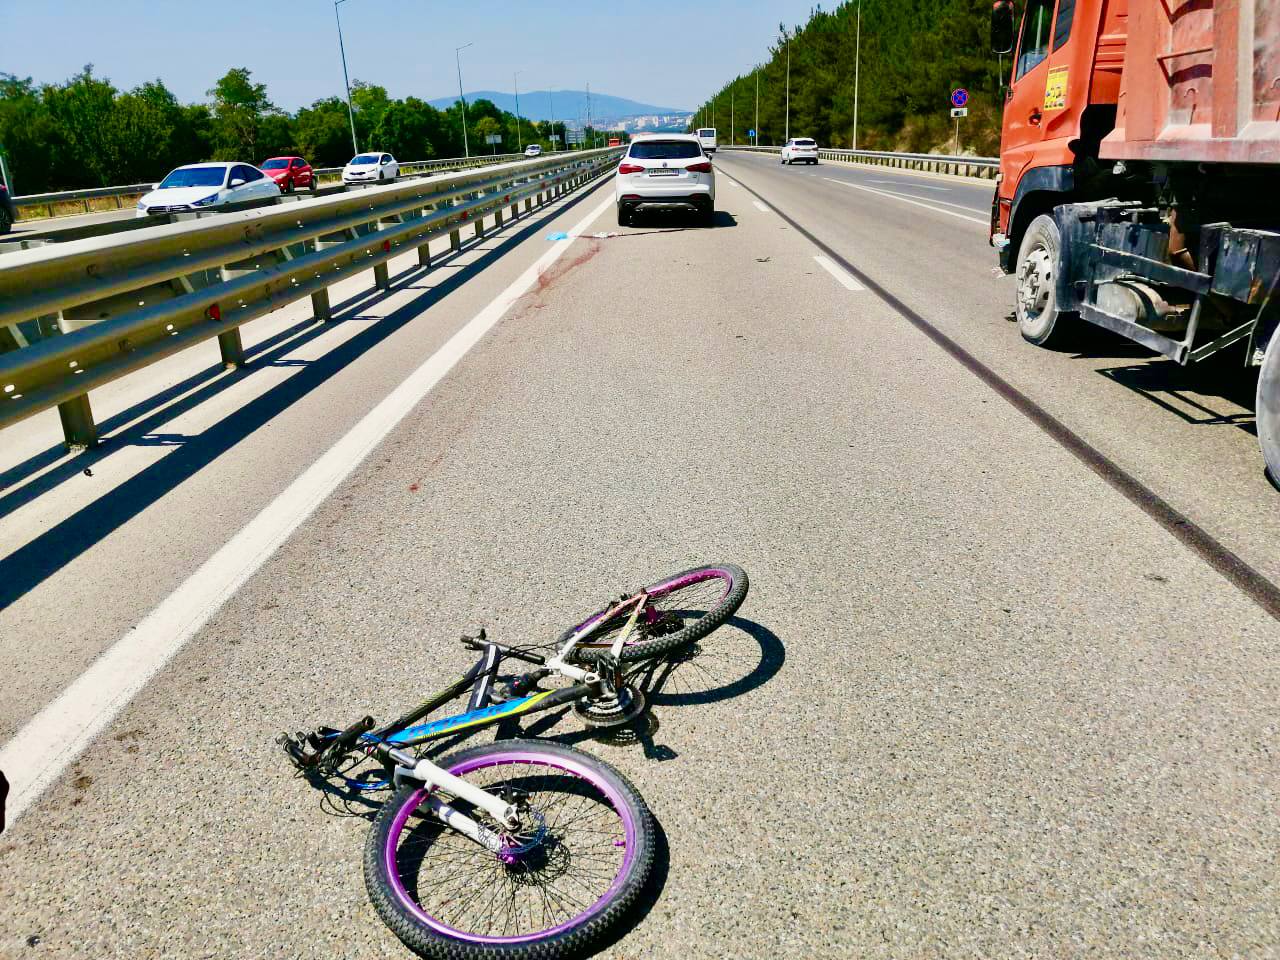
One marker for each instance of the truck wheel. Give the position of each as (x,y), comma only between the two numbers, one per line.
(1039,319)
(1268,407)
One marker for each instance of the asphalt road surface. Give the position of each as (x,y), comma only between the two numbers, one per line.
(979,702)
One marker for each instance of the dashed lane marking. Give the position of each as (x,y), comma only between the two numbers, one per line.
(846,280)
(915,203)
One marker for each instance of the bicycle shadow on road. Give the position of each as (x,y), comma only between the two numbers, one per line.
(707,671)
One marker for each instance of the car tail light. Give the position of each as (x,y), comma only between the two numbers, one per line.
(703,167)
(630,168)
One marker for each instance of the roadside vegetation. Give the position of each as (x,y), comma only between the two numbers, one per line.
(86,133)
(913,54)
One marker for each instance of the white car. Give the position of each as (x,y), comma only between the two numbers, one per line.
(800,149)
(207,186)
(371,168)
(665,170)
(707,137)
(533,150)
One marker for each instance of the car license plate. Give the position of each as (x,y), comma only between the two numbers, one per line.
(663,172)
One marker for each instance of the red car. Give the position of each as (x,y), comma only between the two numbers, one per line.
(290,172)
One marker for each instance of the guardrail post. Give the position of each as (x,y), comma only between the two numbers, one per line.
(78,429)
(232,348)
(480,225)
(497,219)
(455,240)
(320,308)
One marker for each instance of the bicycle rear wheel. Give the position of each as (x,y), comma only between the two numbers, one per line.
(576,866)
(680,609)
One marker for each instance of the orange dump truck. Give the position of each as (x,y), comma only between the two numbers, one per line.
(1139,185)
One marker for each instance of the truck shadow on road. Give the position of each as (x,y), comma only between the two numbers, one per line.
(1179,390)
(28,566)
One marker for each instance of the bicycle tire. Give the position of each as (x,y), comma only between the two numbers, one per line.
(388,856)
(652,643)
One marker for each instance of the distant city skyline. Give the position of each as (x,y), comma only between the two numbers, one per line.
(409,52)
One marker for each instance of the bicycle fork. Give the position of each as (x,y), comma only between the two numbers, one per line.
(433,777)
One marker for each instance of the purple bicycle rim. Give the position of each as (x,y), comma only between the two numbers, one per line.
(676,583)
(493,759)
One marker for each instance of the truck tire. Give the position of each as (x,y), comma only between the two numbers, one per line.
(1039,319)
(1268,408)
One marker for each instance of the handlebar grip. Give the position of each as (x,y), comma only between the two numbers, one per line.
(350,735)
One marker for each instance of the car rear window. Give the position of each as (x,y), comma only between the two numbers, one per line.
(665,150)
(806,143)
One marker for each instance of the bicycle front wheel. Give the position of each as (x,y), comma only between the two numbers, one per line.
(579,861)
(678,610)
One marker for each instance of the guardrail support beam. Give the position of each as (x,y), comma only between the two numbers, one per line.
(455,240)
(424,256)
(381,276)
(78,429)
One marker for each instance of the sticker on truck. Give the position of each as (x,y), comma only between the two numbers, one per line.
(1055,89)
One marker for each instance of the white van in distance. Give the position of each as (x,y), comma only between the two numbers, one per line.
(707,137)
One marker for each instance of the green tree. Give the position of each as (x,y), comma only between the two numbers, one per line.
(239,108)
(406,129)
(323,132)
(487,127)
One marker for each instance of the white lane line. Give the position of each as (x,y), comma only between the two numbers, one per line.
(760,206)
(53,738)
(913,186)
(847,280)
(915,203)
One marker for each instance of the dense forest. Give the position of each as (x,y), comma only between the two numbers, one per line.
(86,133)
(913,54)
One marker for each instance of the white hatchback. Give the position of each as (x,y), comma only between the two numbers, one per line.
(207,186)
(800,150)
(371,168)
(665,170)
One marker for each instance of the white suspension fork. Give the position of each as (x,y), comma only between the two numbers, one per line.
(435,777)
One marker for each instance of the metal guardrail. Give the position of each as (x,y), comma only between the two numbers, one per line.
(61,200)
(961,166)
(83,313)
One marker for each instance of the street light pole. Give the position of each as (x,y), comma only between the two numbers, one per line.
(552,101)
(731,115)
(857,63)
(757,126)
(515,82)
(351,113)
(787,134)
(457,56)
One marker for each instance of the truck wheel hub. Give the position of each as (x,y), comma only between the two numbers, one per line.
(1035,281)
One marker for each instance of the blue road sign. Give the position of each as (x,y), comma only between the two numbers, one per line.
(751,133)
(959,97)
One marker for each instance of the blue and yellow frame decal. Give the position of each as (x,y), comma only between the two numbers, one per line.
(463,721)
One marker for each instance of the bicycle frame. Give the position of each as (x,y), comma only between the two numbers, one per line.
(389,741)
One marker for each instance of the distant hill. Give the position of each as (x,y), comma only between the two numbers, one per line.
(536,104)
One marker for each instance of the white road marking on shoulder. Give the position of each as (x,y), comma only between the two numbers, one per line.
(916,186)
(39,752)
(760,206)
(847,280)
(914,203)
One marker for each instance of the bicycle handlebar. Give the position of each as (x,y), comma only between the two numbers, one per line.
(479,643)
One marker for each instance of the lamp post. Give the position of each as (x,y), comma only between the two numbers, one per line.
(457,56)
(757,126)
(857,63)
(552,103)
(787,134)
(351,113)
(515,83)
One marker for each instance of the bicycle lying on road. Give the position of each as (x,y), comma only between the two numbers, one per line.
(519,848)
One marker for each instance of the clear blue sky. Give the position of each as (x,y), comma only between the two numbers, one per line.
(693,45)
